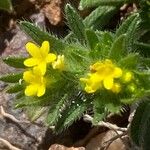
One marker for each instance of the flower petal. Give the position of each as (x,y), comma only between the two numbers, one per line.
(85,80)
(108,83)
(50,58)
(28,76)
(30,62)
(33,50)
(42,67)
(45,48)
(41,90)
(97,66)
(37,71)
(31,90)
(117,72)
(89,89)
(59,63)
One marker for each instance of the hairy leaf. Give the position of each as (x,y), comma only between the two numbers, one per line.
(39,36)
(130,61)
(24,101)
(123,28)
(55,110)
(91,38)
(16,62)
(139,121)
(34,112)
(117,50)
(15,88)
(71,113)
(100,17)
(143,48)
(11,78)
(131,37)
(75,23)
(99,111)
(6,5)
(93,3)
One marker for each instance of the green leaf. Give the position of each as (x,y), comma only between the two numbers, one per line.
(39,36)
(117,50)
(140,124)
(16,62)
(113,107)
(70,38)
(11,78)
(100,17)
(71,113)
(143,48)
(15,88)
(103,47)
(75,23)
(146,135)
(144,78)
(146,62)
(132,36)
(55,110)
(130,61)
(123,28)
(91,38)
(137,122)
(128,101)
(94,3)
(24,101)
(99,111)
(76,58)
(6,5)
(34,112)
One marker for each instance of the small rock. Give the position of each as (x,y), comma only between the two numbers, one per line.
(53,11)
(61,147)
(97,142)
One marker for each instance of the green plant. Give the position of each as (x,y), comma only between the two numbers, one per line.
(139,130)
(90,69)
(6,5)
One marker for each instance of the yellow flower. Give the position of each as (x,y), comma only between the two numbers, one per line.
(59,63)
(93,83)
(36,81)
(102,73)
(40,56)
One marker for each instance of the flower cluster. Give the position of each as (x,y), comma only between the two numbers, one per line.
(106,75)
(40,57)
(103,74)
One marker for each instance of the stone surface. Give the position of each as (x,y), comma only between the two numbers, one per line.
(26,136)
(61,147)
(97,142)
(54,11)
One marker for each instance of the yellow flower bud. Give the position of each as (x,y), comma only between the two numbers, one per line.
(132,87)
(59,63)
(128,76)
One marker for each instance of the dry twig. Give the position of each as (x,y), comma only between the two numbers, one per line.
(111,126)
(107,143)
(9,116)
(10,146)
